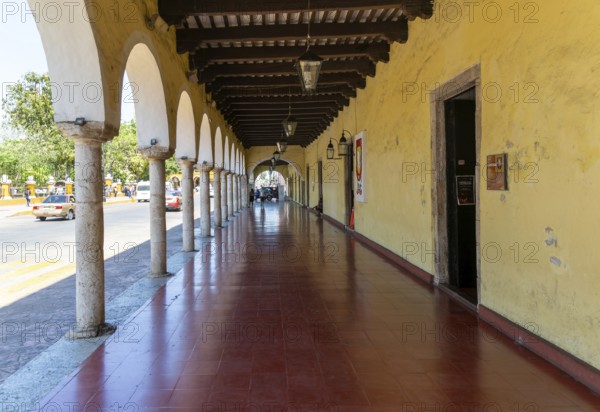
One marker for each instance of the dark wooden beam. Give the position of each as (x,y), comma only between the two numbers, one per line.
(282,112)
(339,99)
(290,91)
(270,106)
(173,11)
(192,39)
(361,65)
(378,51)
(354,80)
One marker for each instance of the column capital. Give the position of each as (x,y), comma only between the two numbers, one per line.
(156,152)
(204,166)
(99,132)
(217,170)
(186,161)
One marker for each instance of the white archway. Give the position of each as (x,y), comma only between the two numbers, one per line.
(186,129)
(150,104)
(73,62)
(267,158)
(205,153)
(219,149)
(227,155)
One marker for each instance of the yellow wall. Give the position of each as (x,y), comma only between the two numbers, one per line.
(545,61)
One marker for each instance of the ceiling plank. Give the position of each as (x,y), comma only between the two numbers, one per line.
(354,80)
(173,10)
(292,92)
(392,31)
(378,51)
(361,65)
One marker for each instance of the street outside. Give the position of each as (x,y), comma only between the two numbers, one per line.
(37,264)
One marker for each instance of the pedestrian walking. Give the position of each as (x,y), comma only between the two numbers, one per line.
(263,197)
(27,196)
(252,197)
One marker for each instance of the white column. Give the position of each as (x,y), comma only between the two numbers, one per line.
(158,219)
(236,196)
(224,185)
(230,195)
(245,190)
(205,201)
(187,193)
(217,197)
(89,240)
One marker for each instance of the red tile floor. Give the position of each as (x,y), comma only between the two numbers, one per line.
(282,311)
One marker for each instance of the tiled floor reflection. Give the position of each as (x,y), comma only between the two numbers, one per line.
(281,311)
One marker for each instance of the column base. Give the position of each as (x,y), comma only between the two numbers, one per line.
(91,331)
(161,275)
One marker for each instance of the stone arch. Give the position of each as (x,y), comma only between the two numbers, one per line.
(205,152)
(219,149)
(267,158)
(78,89)
(150,103)
(186,128)
(227,155)
(234,160)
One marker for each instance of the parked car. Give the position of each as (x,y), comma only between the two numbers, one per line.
(272,193)
(56,206)
(173,200)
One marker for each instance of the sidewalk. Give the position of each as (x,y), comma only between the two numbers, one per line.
(21,210)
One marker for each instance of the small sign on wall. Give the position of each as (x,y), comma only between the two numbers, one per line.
(496,172)
(465,190)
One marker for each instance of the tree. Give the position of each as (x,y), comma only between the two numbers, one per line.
(122,158)
(39,150)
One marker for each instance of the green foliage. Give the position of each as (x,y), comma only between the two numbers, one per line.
(121,157)
(40,150)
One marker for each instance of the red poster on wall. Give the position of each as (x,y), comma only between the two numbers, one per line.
(359,169)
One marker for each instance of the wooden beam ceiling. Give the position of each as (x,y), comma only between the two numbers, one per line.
(244,53)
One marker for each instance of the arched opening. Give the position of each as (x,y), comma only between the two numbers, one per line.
(227,155)
(205,149)
(186,129)
(219,163)
(150,104)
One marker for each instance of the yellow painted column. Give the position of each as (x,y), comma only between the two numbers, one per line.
(50,184)
(30,183)
(69,186)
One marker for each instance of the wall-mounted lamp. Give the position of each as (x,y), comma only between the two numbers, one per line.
(80,121)
(157,22)
(342,145)
(153,142)
(192,76)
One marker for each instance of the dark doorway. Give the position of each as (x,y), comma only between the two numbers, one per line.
(320,177)
(461,194)
(349,188)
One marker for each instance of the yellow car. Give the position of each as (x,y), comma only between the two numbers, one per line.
(56,206)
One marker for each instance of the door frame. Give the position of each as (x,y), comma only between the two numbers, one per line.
(468,79)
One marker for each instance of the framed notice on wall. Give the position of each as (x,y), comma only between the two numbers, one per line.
(465,190)
(359,167)
(496,176)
